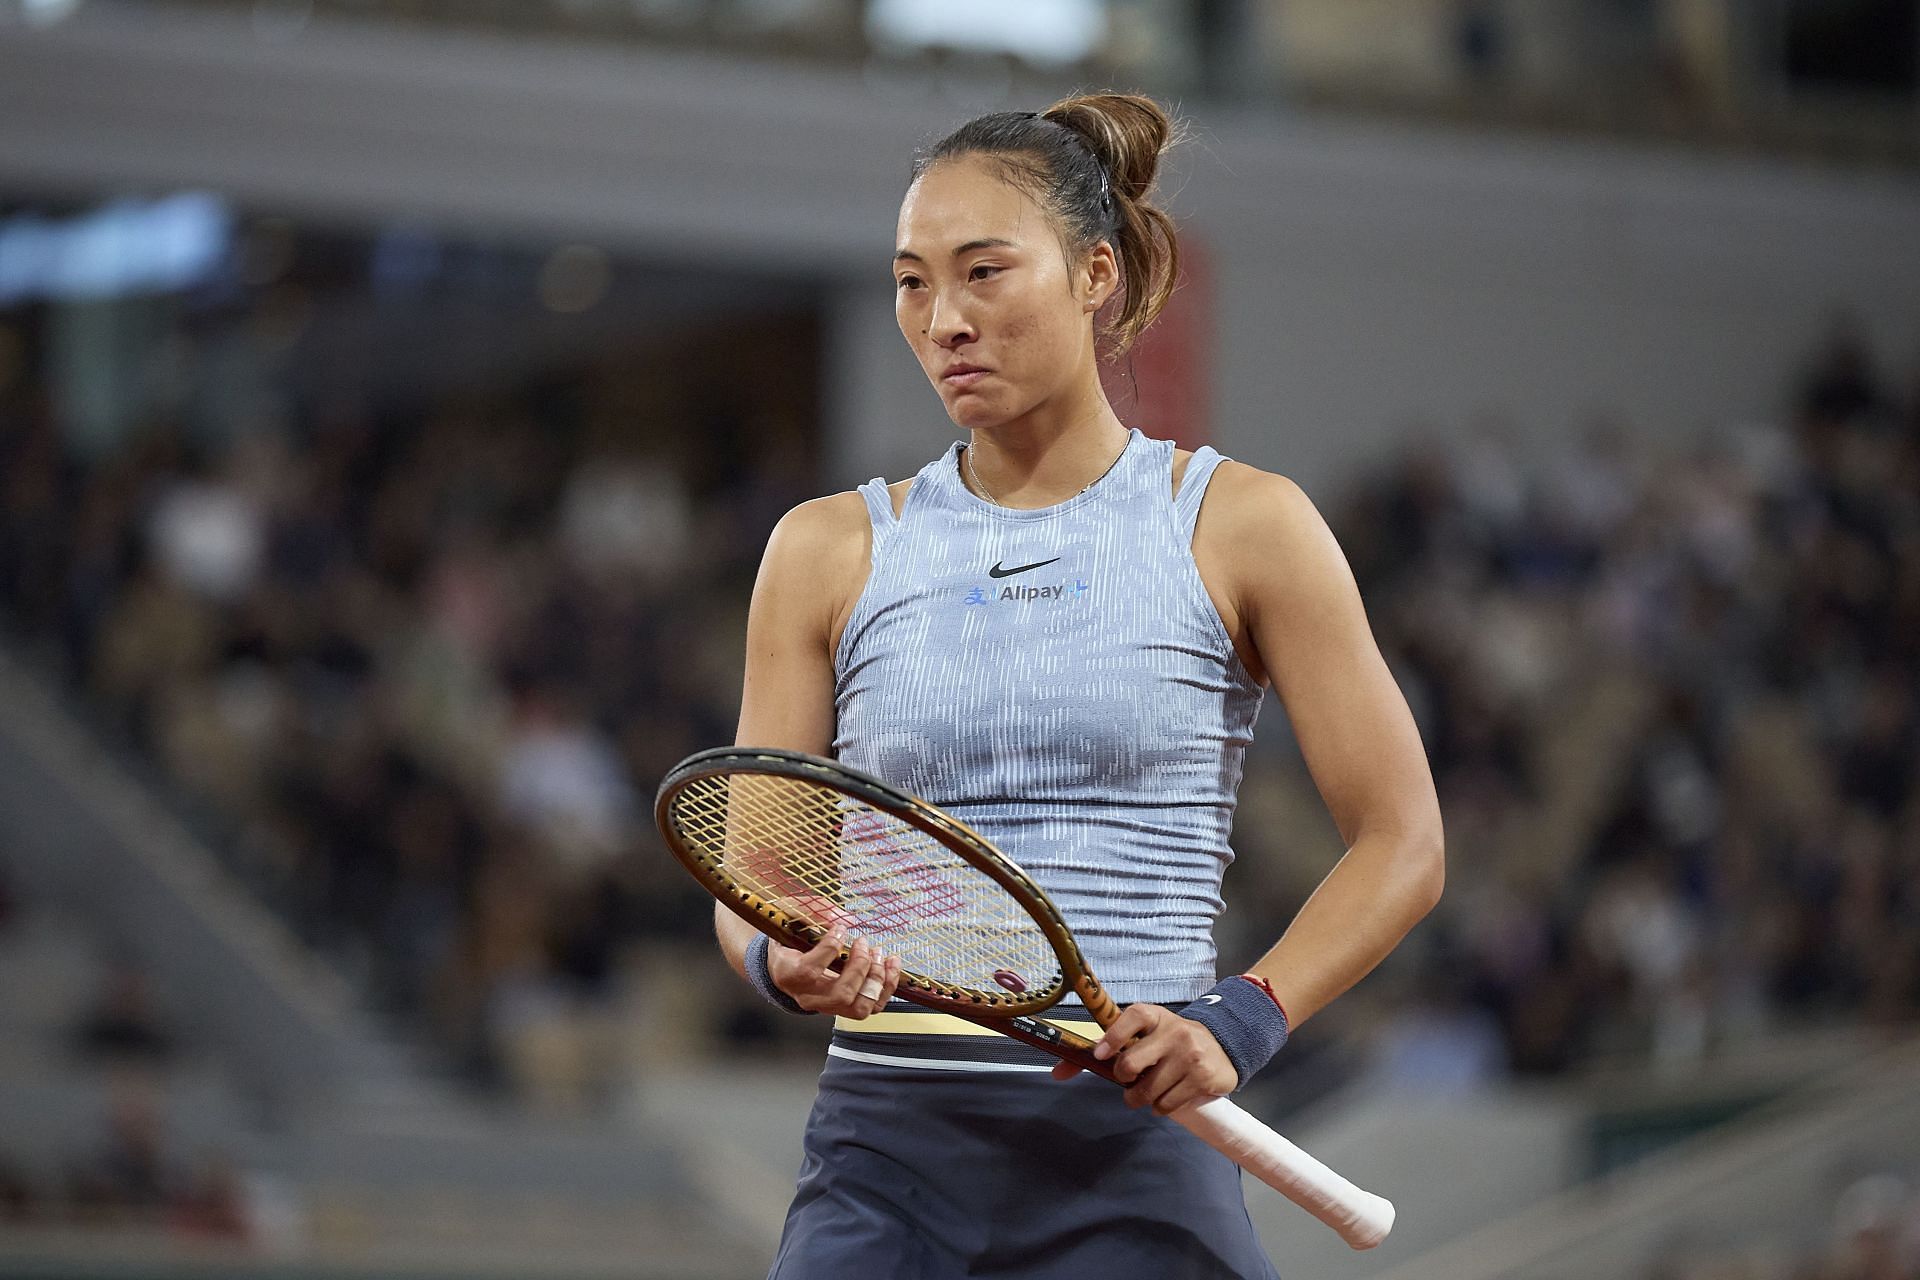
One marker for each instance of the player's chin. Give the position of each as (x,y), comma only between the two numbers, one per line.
(974,410)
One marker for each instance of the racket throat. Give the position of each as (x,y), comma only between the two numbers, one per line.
(1100,1006)
(1066,1045)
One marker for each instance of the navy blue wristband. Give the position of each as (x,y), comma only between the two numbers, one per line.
(761,977)
(1249,1024)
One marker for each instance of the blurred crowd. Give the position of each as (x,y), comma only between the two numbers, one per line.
(416,671)
(1669,694)
(133,1178)
(108,1046)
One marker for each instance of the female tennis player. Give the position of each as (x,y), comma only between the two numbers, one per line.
(1061,631)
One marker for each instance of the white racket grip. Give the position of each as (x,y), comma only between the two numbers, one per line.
(1361,1217)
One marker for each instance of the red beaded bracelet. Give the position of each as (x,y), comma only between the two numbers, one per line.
(1267,987)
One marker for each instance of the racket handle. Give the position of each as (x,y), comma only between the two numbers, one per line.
(1361,1217)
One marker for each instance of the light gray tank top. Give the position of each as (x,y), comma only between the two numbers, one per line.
(1060,680)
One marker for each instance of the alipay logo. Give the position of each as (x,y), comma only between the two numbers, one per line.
(1024,594)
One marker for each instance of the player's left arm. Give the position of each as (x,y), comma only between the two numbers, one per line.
(1289,580)
(1357,734)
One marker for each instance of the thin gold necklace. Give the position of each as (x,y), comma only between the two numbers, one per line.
(967,458)
(968,452)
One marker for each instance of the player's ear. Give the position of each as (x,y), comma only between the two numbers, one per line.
(1098,276)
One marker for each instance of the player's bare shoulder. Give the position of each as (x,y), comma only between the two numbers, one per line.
(1258,533)
(1238,491)
(1256,513)
(822,540)
(817,559)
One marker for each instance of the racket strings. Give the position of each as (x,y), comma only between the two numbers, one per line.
(805,853)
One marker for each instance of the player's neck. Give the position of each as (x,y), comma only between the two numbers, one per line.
(1042,459)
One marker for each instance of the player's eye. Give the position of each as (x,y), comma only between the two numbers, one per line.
(907,282)
(990,270)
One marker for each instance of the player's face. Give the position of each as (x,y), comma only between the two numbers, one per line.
(981,279)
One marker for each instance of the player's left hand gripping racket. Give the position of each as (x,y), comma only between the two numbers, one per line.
(796,844)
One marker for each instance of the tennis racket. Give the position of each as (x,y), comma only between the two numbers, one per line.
(797,845)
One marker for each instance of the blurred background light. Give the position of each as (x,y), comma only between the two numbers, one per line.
(1056,32)
(43,13)
(127,246)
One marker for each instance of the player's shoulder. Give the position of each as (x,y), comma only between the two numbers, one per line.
(820,524)
(824,527)
(1245,482)
(1245,499)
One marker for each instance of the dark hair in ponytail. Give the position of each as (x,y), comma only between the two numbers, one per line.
(1091,160)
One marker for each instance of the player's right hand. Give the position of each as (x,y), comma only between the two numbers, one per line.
(862,986)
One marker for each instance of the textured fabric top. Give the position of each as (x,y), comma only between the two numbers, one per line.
(1059,679)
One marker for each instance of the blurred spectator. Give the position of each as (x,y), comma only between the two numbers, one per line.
(208,538)
(561,778)
(124,1026)
(624,521)
(130,1175)
(9,908)
(213,1205)
(18,1203)
(1842,386)
(1480,38)
(1876,1232)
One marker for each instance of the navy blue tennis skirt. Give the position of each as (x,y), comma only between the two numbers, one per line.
(915,1172)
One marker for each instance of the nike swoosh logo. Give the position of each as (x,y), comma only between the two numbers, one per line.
(998,572)
(1209,999)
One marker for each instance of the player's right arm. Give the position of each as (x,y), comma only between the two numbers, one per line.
(814,568)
